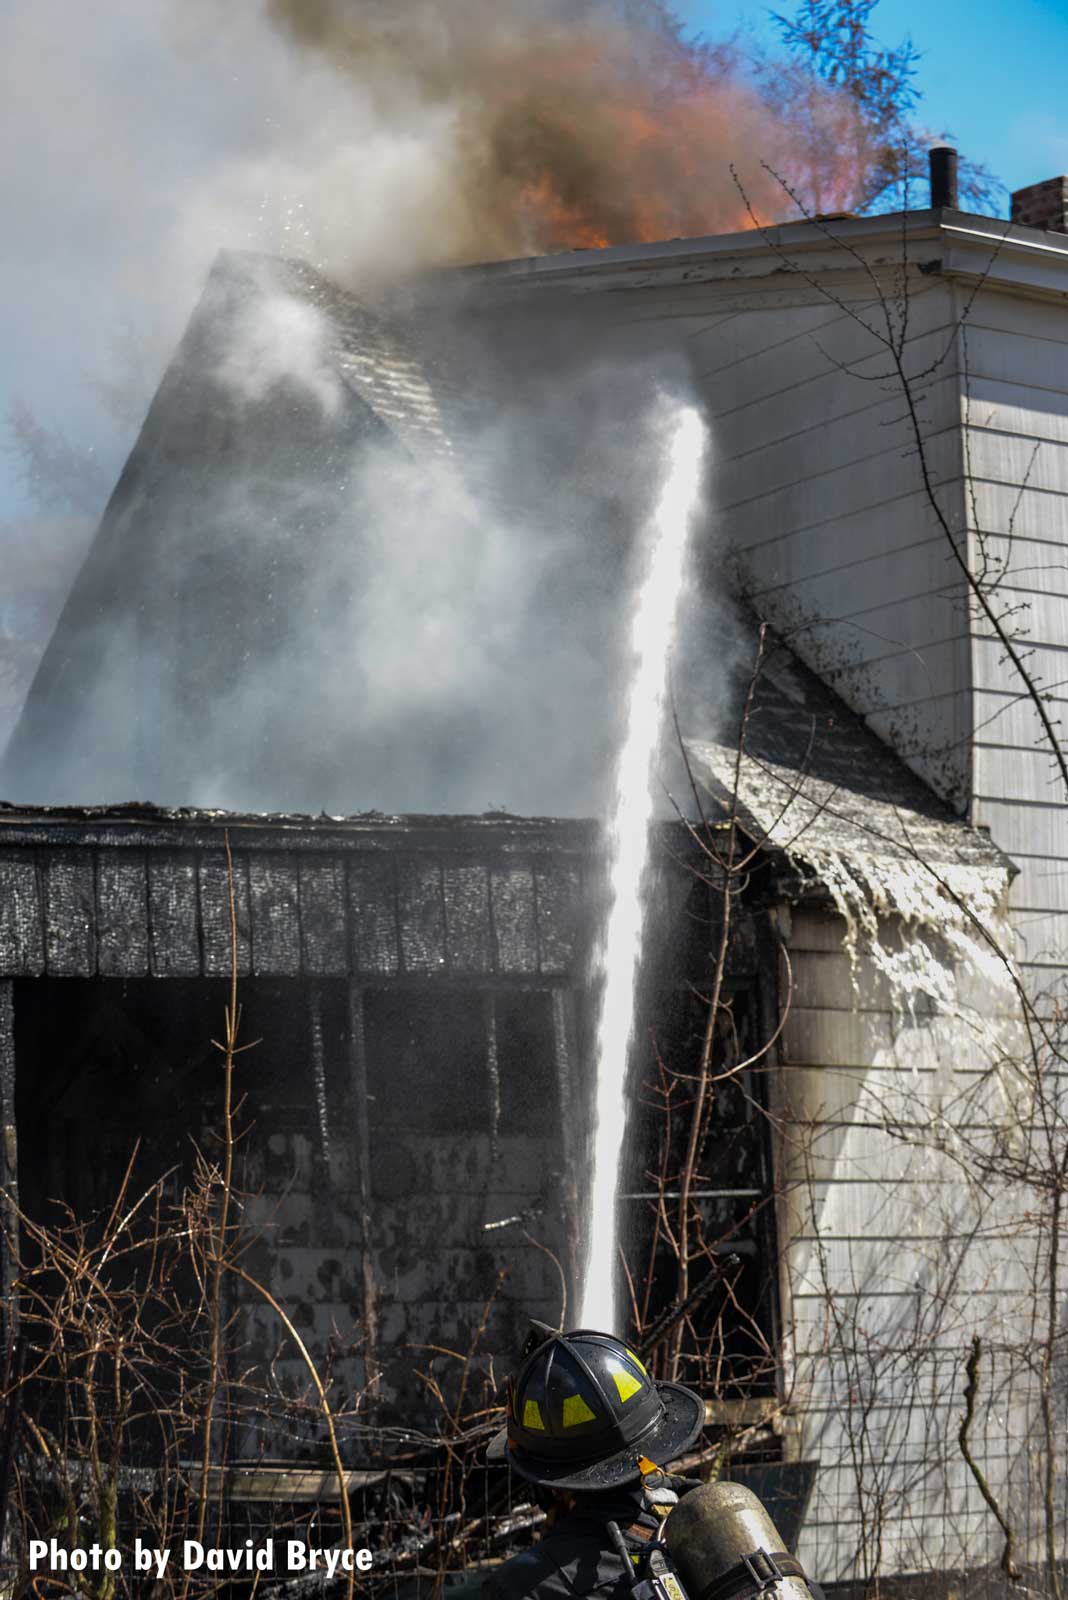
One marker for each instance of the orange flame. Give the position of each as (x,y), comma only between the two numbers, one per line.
(586,126)
(629,138)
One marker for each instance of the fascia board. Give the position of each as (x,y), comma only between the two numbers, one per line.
(1009,260)
(960,245)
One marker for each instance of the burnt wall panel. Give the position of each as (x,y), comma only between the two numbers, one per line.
(275,917)
(526,1059)
(419,1226)
(742,952)
(9,1155)
(373,914)
(421,913)
(426,1075)
(174,935)
(70,917)
(559,899)
(21,922)
(322,918)
(512,896)
(468,942)
(215,930)
(122,914)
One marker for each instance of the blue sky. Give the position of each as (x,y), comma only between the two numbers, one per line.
(993,74)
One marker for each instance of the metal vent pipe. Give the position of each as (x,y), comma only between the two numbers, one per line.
(943,161)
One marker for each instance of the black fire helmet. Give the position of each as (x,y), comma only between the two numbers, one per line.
(583,1413)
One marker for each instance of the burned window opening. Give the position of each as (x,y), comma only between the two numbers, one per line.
(730,1347)
(102,1064)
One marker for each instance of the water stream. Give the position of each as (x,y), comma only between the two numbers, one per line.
(619,949)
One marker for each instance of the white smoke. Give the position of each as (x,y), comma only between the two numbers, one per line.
(151,137)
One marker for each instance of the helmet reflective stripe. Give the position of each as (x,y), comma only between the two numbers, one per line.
(532,1415)
(577,1411)
(625,1382)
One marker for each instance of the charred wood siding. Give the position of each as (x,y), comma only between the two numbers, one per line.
(88,897)
(21,919)
(415,992)
(442,960)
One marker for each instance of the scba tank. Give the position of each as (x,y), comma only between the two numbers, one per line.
(724,1546)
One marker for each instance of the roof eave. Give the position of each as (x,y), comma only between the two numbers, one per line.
(961,244)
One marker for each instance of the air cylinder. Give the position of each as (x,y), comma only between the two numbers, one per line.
(723,1544)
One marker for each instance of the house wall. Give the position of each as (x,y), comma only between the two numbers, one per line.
(816,492)
(1014,407)
(901,1251)
(372,1229)
(816,499)
(896,1257)
(369,1230)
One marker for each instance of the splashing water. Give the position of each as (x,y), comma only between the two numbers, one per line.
(617,955)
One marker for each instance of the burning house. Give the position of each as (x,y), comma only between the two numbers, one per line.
(886,401)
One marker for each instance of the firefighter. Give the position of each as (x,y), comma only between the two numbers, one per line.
(586,1424)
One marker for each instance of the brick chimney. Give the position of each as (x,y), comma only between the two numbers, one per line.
(1043,205)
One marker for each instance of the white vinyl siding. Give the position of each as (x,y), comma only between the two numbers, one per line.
(1015,407)
(893,1264)
(816,487)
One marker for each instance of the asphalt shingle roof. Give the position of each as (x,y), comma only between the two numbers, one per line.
(816,785)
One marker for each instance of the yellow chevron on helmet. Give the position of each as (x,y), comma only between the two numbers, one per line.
(532,1415)
(626,1382)
(576,1410)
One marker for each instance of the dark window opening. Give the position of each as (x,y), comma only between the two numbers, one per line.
(732,1346)
(105,1063)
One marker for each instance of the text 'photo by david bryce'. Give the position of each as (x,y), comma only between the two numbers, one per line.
(281,1556)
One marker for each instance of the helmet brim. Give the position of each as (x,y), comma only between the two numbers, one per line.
(675,1432)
